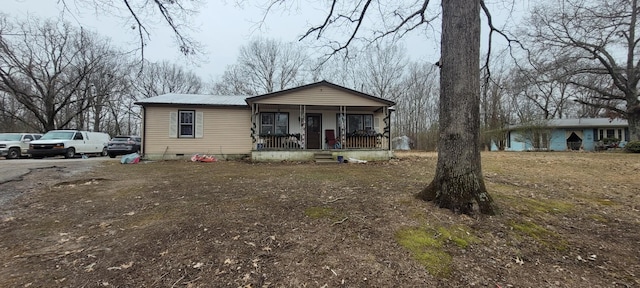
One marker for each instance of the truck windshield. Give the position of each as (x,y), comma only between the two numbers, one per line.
(9,137)
(57,135)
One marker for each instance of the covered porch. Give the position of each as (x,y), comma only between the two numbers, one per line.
(310,127)
(296,123)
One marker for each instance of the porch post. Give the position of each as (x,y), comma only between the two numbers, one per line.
(343,126)
(387,114)
(303,130)
(254,113)
(387,126)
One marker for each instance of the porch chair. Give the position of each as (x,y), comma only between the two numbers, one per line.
(330,138)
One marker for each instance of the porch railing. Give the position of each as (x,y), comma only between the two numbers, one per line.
(292,142)
(279,142)
(364,142)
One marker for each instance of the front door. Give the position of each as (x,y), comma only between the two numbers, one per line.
(314,128)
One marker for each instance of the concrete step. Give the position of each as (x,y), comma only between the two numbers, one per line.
(324,158)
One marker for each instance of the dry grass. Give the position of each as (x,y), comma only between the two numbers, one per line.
(568,220)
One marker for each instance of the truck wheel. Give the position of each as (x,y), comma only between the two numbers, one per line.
(104,152)
(70,153)
(14,153)
(112,155)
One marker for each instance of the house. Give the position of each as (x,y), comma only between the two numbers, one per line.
(294,124)
(589,134)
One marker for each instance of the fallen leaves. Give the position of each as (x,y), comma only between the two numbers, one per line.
(121,267)
(519,261)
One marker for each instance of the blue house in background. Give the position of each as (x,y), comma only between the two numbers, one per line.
(588,134)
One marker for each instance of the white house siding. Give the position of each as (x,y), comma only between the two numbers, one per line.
(320,96)
(225,131)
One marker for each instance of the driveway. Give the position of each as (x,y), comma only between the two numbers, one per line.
(21,175)
(13,170)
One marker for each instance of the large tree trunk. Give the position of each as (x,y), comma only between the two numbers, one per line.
(458,181)
(633,111)
(633,118)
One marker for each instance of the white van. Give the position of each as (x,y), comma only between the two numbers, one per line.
(69,143)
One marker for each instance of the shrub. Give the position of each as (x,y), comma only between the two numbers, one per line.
(633,147)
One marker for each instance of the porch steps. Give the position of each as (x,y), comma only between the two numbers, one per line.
(324,157)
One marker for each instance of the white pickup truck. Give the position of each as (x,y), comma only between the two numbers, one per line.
(69,143)
(15,145)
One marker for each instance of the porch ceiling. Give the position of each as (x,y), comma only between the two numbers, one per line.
(317,107)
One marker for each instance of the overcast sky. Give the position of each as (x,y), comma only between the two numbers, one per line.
(223,27)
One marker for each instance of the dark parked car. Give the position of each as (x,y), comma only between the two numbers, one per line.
(122,145)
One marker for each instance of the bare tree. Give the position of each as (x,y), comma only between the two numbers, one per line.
(416,114)
(44,66)
(381,71)
(13,116)
(165,77)
(495,111)
(601,39)
(174,13)
(340,70)
(263,66)
(589,95)
(545,85)
(110,91)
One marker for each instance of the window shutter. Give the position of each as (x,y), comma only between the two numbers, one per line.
(376,124)
(199,124)
(173,124)
(626,134)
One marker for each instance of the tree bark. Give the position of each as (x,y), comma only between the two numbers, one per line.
(458,182)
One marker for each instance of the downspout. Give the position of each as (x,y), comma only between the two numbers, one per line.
(343,127)
(387,111)
(144,130)
(255,127)
(303,126)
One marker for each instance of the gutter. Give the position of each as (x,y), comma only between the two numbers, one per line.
(144,130)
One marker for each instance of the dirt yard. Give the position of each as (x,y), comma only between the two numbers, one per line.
(568,220)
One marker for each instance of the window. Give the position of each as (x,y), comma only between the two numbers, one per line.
(541,139)
(186,124)
(611,133)
(601,134)
(274,123)
(626,134)
(28,137)
(358,124)
(78,136)
(619,134)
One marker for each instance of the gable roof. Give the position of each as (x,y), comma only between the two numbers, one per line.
(240,100)
(195,99)
(587,122)
(318,84)
(578,123)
